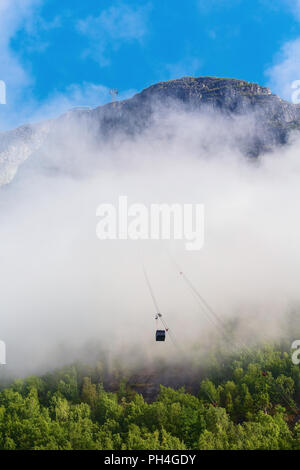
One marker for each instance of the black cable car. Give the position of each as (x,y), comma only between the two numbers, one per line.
(160,335)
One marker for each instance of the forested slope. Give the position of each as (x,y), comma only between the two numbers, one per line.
(247,402)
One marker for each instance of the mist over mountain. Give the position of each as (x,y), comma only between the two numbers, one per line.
(227,144)
(270,120)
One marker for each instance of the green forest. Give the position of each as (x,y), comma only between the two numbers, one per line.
(248,401)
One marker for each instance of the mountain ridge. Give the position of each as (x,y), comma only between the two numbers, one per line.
(275,118)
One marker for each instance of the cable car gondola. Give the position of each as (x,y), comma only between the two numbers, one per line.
(160,335)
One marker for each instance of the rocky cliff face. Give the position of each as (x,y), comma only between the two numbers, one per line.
(274,118)
(16,146)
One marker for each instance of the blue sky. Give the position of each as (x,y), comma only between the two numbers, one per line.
(58,53)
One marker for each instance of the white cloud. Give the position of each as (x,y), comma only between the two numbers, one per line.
(187,67)
(294,5)
(13,14)
(206,6)
(112,28)
(285,70)
(34,26)
(25,14)
(85,94)
(59,102)
(286,67)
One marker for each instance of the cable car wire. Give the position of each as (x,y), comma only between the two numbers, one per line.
(158,313)
(221,326)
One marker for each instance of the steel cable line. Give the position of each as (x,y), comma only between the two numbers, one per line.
(221,326)
(158,314)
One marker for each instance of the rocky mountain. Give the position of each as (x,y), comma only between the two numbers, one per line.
(274,118)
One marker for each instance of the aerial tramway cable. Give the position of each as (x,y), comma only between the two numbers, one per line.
(220,325)
(206,309)
(214,318)
(158,315)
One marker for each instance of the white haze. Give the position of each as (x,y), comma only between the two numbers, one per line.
(65,294)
